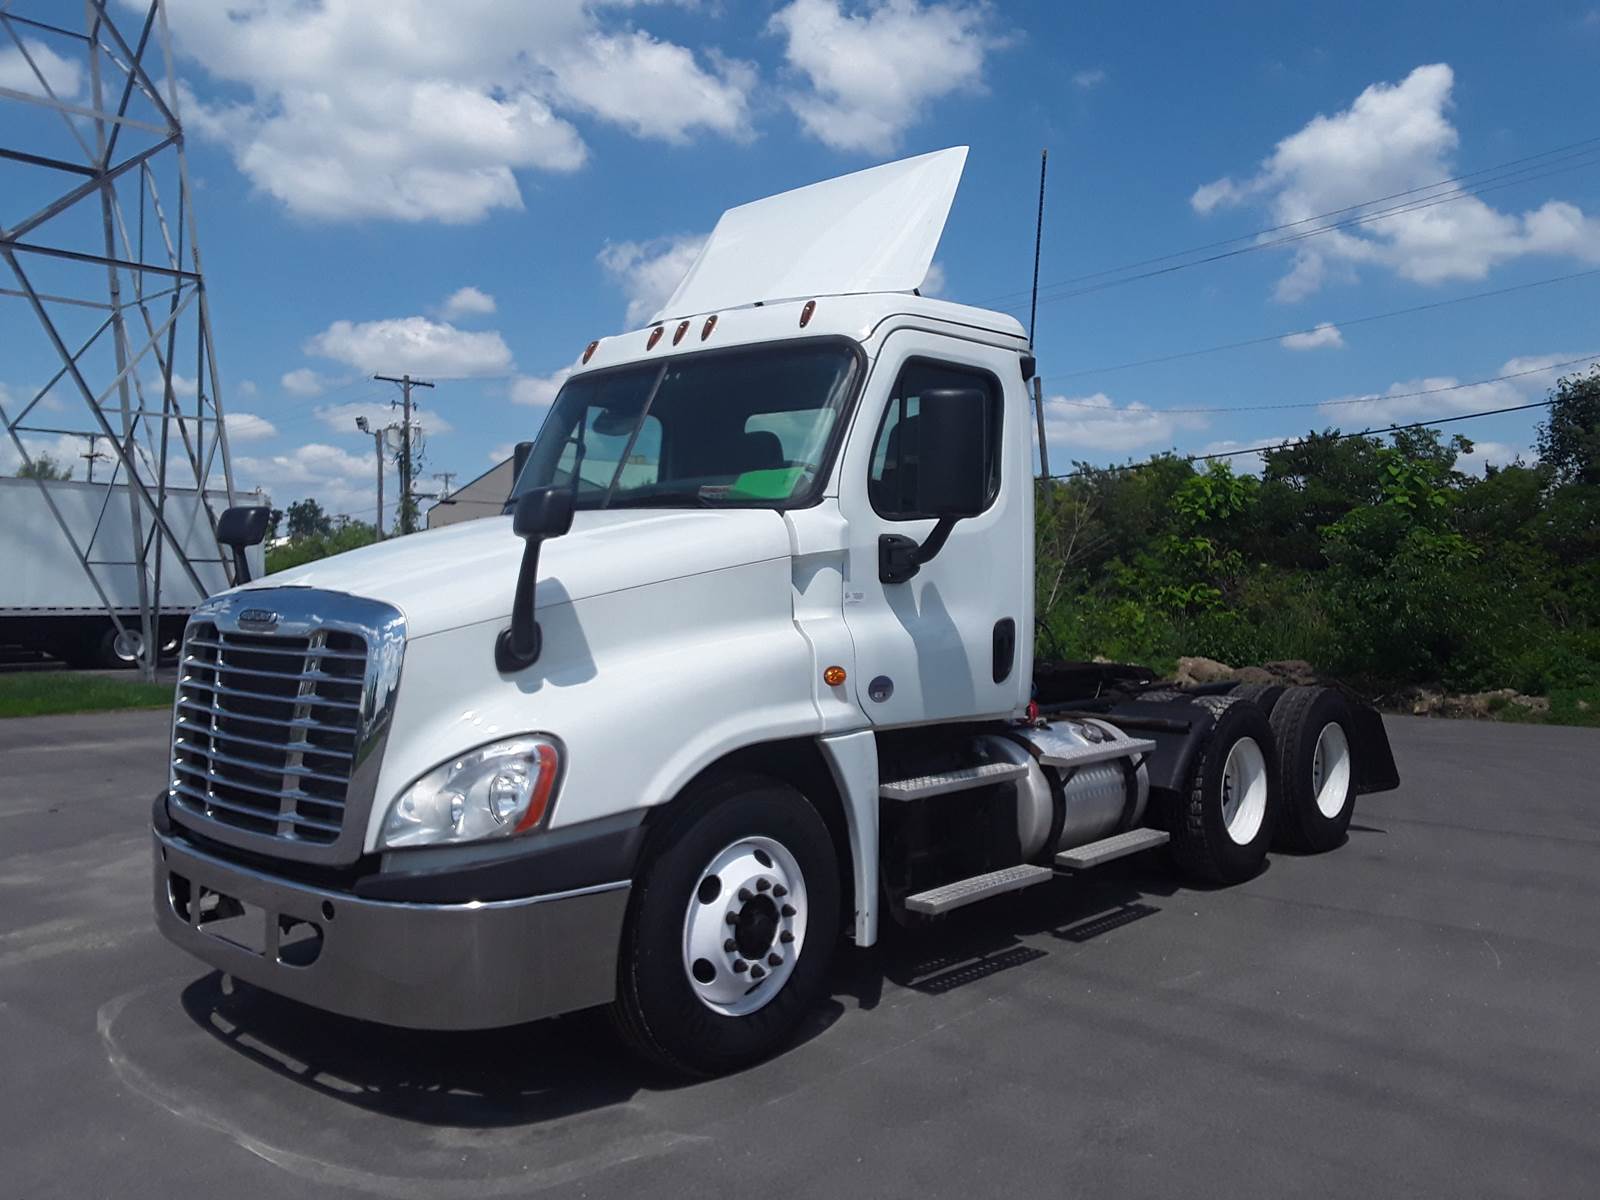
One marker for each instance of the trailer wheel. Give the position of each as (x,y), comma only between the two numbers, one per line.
(1316,768)
(1225,823)
(730,930)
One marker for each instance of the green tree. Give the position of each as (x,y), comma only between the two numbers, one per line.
(1569,439)
(43,466)
(307,519)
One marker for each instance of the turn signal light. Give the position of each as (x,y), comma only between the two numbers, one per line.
(588,351)
(655,336)
(833,676)
(705,330)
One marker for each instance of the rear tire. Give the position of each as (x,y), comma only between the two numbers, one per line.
(1316,768)
(693,939)
(1225,823)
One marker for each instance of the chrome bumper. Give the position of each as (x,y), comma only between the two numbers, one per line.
(424,966)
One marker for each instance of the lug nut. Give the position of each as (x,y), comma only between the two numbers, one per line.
(733,918)
(744,896)
(780,891)
(763,884)
(740,966)
(787,910)
(774,960)
(786,937)
(729,946)
(757,973)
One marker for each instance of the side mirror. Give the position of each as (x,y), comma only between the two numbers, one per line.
(239,528)
(952,449)
(536,515)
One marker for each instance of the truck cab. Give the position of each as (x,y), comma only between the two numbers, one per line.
(746,668)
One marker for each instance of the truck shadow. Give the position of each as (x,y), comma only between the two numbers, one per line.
(976,943)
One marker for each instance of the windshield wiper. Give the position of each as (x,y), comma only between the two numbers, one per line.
(691,499)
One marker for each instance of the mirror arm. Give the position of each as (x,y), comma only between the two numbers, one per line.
(900,557)
(518,648)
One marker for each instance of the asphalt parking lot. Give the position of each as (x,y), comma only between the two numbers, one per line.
(1414,1014)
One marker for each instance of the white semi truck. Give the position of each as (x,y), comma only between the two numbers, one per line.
(51,600)
(746,668)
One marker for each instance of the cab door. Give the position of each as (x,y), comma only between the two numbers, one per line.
(954,640)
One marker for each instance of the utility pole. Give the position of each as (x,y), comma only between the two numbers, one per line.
(445,477)
(94,454)
(408,515)
(377,446)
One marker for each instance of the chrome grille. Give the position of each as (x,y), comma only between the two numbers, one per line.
(266,729)
(277,732)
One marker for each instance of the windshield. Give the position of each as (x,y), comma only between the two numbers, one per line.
(740,428)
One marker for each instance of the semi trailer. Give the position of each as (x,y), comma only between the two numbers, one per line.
(746,669)
(53,601)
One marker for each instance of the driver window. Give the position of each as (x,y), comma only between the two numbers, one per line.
(892,476)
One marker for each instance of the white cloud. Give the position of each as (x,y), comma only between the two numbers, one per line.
(501,452)
(1244,464)
(64,76)
(538,391)
(1082,424)
(414,110)
(341,482)
(1087,80)
(341,418)
(1445,395)
(247,388)
(247,427)
(466,302)
(1494,454)
(1393,138)
(933,284)
(1325,336)
(303,381)
(871,72)
(649,272)
(413,346)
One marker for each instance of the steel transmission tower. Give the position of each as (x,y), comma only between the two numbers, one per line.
(99,259)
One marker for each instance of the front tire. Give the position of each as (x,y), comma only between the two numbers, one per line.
(1225,823)
(731,928)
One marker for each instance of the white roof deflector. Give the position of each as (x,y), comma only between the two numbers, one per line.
(872,231)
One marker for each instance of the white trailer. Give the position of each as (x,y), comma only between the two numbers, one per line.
(748,669)
(49,598)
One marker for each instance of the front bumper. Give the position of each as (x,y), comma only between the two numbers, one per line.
(477,965)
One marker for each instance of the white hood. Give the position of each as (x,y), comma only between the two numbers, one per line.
(466,573)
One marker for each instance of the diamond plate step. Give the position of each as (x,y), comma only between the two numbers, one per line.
(922,786)
(1120,845)
(980,887)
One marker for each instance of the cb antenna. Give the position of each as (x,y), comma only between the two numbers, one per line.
(1038,240)
(1033,312)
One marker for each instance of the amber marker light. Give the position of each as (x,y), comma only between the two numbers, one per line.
(655,336)
(833,676)
(677,334)
(588,351)
(705,330)
(805,313)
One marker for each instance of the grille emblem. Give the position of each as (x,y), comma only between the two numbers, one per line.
(258,618)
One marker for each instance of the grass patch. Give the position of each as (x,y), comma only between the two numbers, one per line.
(47,693)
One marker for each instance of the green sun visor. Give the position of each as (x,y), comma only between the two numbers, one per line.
(777,483)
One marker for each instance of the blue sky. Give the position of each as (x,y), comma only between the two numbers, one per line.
(473,191)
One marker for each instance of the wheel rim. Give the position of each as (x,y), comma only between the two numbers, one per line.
(745,927)
(1244,791)
(1330,770)
(128,645)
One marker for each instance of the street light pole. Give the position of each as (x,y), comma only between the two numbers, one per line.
(377,445)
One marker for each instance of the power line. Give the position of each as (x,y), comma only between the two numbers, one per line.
(1364,399)
(1336,437)
(1571,150)
(1344,323)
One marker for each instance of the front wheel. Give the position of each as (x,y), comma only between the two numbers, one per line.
(731,928)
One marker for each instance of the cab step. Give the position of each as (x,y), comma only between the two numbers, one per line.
(1120,845)
(962,892)
(920,787)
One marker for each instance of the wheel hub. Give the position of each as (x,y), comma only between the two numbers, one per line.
(745,926)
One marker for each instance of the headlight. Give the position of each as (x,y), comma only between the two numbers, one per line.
(496,790)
